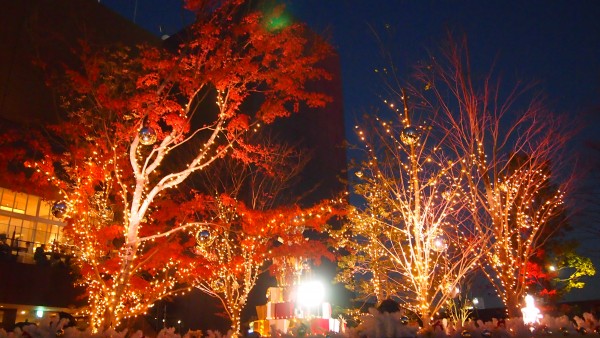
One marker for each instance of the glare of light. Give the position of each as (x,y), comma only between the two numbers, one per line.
(439,244)
(531,314)
(475,301)
(552,268)
(455,292)
(310,293)
(39,313)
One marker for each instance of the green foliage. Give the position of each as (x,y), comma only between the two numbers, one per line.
(578,267)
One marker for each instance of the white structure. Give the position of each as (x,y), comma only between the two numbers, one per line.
(287,306)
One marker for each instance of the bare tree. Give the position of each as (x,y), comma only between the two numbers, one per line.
(512,155)
(410,225)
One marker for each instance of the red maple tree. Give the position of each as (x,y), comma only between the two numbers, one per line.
(139,122)
(244,244)
(257,220)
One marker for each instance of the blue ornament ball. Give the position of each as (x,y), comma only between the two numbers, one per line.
(147,136)
(59,209)
(409,135)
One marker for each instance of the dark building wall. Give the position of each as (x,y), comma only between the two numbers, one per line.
(321,132)
(43,32)
(30,284)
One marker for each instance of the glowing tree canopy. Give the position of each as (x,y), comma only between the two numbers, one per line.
(513,159)
(141,121)
(408,234)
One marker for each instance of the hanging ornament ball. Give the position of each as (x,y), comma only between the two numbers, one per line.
(147,136)
(59,209)
(218,285)
(404,320)
(359,174)
(60,332)
(486,333)
(409,135)
(203,237)
(564,331)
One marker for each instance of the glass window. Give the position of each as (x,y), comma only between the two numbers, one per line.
(41,234)
(32,205)
(8,199)
(20,203)
(45,208)
(4,228)
(15,223)
(56,233)
(30,226)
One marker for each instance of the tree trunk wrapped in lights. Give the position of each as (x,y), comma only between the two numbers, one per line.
(512,153)
(409,232)
(131,112)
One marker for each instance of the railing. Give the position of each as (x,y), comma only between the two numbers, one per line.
(22,252)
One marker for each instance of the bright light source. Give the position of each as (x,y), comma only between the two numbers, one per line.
(552,268)
(310,293)
(531,314)
(23,312)
(39,313)
(475,301)
(439,244)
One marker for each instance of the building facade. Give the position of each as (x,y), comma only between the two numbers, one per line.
(26,222)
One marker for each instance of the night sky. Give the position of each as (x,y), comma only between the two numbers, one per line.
(554,43)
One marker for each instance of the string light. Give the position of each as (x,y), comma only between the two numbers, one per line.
(405,235)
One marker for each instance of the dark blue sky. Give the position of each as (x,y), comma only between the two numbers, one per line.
(555,43)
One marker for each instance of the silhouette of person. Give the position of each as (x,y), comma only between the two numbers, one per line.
(40,256)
